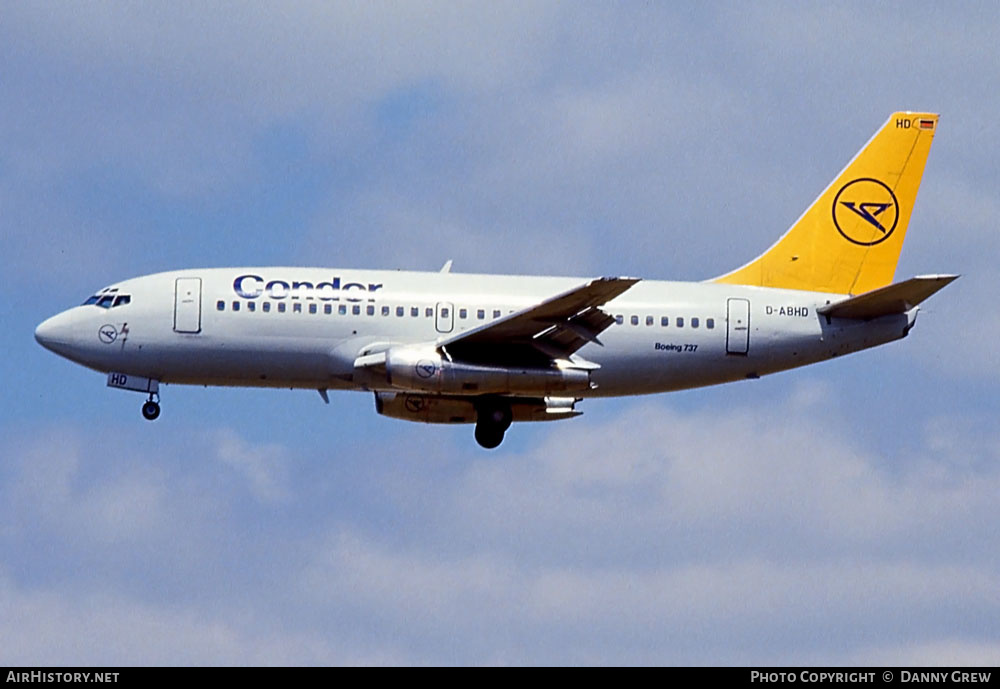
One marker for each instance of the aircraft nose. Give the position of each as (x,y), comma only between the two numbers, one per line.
(52,332)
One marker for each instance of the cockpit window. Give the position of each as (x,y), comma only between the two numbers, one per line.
(108,298)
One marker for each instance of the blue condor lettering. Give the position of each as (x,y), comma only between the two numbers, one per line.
(254,286)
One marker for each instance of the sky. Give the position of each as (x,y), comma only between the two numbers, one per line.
(843,513)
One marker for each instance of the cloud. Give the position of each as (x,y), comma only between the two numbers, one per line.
(53,489)
(957,235)
(130,513)
(42,628)
(263,466)
(179,91)
(735,533)
(540,153)
(665,474)
(953,652)
(761,527)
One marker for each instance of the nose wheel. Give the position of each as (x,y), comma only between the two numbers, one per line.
(151,409)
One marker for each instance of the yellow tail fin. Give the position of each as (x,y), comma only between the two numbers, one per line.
(849,239)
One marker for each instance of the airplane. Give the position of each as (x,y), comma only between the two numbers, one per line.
(489,350)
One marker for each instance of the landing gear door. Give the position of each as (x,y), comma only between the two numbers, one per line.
(444,317)
(187,305)
(738,326)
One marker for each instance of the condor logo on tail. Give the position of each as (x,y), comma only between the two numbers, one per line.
(869,211)
(865,211)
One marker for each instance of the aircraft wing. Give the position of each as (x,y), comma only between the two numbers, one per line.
(552,329)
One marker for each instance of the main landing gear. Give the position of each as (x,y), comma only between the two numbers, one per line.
(493,419)
(151,409)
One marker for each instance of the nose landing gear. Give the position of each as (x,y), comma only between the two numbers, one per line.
(123,381)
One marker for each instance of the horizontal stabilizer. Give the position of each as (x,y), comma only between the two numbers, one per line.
(885,301)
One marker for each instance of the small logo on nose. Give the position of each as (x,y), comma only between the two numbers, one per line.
(107,334)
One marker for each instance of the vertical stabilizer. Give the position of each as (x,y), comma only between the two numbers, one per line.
(849,239)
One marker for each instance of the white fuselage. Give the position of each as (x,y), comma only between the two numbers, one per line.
(305,328)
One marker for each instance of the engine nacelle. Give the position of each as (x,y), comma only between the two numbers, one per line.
(444,409)
(424,369)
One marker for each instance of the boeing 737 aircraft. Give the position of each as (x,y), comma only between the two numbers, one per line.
(493,349)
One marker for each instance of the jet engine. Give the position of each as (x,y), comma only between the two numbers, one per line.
(424,369)
(444,409)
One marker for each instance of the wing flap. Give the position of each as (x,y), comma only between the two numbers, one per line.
(885,301)
(573,333)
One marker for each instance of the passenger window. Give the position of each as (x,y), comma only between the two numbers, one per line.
(665,321)
(649,320)
(618,319)
(356,309)
(385,310)
(399,311)
(266,306)
(251,306)
(444,313)
(463,313)
(370,310)
(496,313)
(281,307)
(710,323)
(312,308)
(297,307)
(342,309)
(414,311)
(480,314)
(236,306)
(680,322)
(327,309)
(694,322)
(428,312)
(220,306)
(634,320)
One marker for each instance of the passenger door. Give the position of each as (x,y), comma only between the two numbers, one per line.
(187,305)
(738,326)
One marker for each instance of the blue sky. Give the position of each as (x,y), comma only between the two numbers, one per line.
(844,513)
